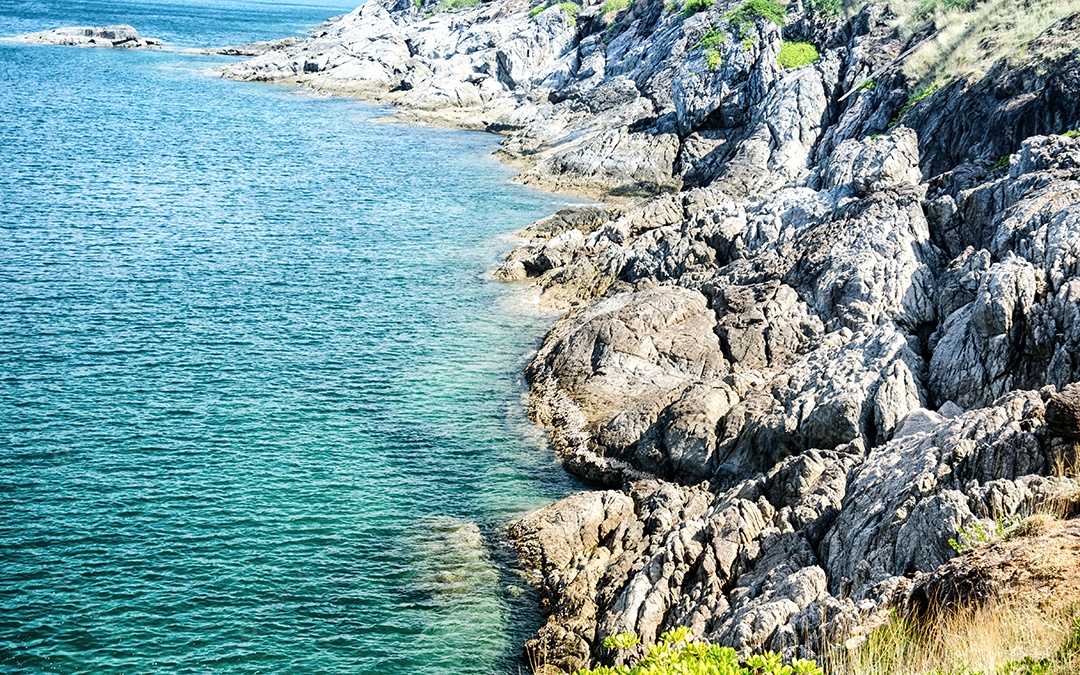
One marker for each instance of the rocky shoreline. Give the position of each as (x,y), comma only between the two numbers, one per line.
(832,325)
(819,337)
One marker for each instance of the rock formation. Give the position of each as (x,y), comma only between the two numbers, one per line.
(838,326)
(120,37)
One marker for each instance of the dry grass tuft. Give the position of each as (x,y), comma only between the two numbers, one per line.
(982,640)
(969,42)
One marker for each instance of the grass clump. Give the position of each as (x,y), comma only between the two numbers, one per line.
(535,11)
(994,640)
(1004,162)
(692,7)
(675,654)
(973,34)
(711,42)
(1072,133)
(614,6)
(868,85)
(744,15)
(796,54)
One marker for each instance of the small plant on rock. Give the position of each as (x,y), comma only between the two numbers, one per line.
(572,10)
(614,6)
(745,14)
(796,54)
(711,42)
(1072,133)
(692,7)
(914,100)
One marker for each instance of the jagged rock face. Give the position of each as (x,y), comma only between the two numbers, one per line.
(599,105)
(759,379)
(120,37)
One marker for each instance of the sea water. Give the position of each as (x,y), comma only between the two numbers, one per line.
(260,410)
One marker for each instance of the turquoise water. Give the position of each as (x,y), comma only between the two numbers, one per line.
(260,412)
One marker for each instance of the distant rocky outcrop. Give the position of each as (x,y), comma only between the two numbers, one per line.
(839,324)
(119,37)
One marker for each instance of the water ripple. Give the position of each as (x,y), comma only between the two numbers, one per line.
(258,412)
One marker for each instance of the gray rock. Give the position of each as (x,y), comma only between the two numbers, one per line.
(120,36)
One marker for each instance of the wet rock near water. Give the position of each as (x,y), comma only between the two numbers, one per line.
(119,37)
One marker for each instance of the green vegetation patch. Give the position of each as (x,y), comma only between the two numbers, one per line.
(829,9)
(674,654)
(797,54)
(914,100)
(455,5)
(692,7)
(1072,133)
(614,6)
(711,42)
(744,15)
(928,8)
(572,10)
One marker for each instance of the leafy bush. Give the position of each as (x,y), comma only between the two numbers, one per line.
(1072,133)
(796,54)
(745,14)
(829,9)
(711,42)
(692,7)
(868,85)
(674,654)
(614,6)
(535,11)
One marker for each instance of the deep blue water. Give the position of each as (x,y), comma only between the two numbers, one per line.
(260,412)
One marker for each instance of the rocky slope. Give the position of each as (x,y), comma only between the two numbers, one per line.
(828,336)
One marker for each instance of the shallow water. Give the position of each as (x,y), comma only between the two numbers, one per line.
(260,412)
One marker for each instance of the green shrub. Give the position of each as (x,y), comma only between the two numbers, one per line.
(614,6)
(1072,133)
(692,7)
(796,54)
(674,654)
(710,42)
(745,14)
(868,85)
(673,6)
(712,39)
(829,9)
(571,8)
(535,11)
(1004,162)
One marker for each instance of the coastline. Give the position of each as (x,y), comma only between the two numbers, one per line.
(826,333)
